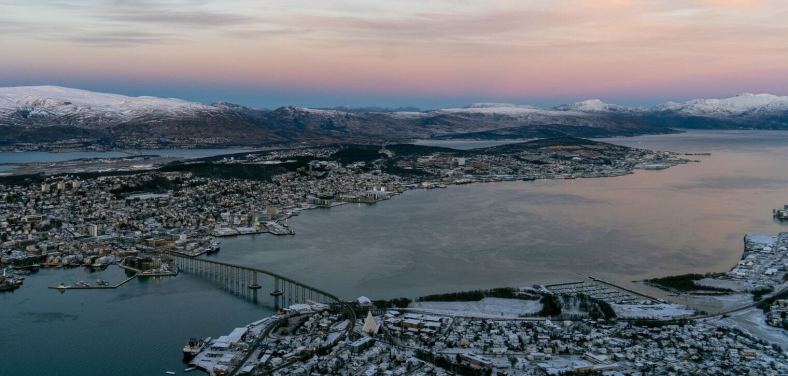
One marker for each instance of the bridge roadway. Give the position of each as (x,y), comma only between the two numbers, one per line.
(244,280)
(241,279)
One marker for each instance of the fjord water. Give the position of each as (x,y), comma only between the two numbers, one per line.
(137,329)
(690,218)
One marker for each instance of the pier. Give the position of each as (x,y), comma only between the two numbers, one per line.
(94,287)
(148,273)
(633,292)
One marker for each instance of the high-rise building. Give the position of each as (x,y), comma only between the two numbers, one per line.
(93,230)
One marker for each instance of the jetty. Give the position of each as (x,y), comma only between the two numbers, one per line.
(125,281)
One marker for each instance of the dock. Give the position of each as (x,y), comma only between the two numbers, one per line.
(626,289)
(191,254)
(781,213)
(146,273)
(93,287)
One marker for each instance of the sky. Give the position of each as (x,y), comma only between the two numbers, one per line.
(425,53)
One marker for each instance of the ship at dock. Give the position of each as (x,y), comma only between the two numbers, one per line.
(193,347)
(213,248)
(781,213)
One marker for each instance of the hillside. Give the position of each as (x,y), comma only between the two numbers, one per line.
(48,117)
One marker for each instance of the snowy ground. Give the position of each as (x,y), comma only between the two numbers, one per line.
(753,322)
(717,303)
(487,307)
(651,311)
(735,285)
(771,240)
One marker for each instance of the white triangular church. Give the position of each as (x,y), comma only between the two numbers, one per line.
(370,325)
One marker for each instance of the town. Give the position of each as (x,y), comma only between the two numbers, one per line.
(101,217)
(582,327)
(317,339)
(139,213)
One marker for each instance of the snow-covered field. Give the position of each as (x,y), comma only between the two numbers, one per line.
(761,239)
(735,285)
(651,311)
(717,303)
(487,307)
(753,321)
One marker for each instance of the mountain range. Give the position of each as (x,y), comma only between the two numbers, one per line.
(48,115)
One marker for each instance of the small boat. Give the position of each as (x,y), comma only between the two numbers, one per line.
(170,373)
(63,286)
(570,177)
(101,282)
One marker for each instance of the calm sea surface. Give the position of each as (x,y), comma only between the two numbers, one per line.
(689,218)
(138,329)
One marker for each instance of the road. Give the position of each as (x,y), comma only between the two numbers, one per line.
(256,345)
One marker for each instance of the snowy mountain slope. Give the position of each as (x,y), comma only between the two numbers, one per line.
(53,105)
(373,109)
(43,114)
(744,111)
(491,108)
(738,105)
(597,106)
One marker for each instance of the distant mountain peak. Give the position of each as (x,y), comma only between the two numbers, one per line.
(596,105)
(501,105)
(736,105)
(355,109)
(46,114)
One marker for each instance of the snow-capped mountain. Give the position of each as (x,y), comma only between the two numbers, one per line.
(492,108)
(746,111)
(597,106)
(45,114)
(373,109)
(738,105)
(53,105)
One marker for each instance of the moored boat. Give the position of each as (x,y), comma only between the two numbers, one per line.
(192,348)
(213,248)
